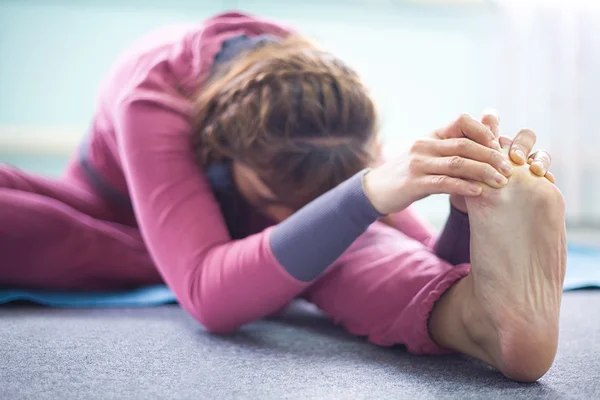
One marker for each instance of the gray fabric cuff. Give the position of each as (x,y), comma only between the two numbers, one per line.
(311,239)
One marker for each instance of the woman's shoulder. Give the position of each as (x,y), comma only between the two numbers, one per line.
(150,64)
(169,64)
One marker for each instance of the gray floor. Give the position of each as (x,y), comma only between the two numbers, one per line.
(161,353)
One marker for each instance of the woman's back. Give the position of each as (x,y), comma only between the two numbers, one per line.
(165,67)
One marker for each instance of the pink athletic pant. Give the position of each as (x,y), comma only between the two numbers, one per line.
(62,235)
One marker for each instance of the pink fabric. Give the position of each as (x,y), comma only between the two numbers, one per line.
(62,235)
(384,287)
(65,235)
(409,223)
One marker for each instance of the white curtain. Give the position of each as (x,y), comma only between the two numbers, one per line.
(549,78)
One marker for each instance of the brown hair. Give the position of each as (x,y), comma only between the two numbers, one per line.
(296,115)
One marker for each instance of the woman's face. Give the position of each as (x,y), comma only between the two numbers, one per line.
(258,195)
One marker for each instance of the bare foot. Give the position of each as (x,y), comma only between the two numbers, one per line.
(518,263)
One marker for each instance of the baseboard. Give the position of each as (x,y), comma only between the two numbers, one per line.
(38,140)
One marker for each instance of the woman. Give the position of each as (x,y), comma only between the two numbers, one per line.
(230,161)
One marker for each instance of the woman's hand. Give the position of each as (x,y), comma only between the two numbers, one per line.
(539,161)
(453,161)
(519,146)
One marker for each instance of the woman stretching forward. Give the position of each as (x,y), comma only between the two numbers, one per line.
(230,160)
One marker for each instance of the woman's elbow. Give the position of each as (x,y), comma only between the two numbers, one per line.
(214,319)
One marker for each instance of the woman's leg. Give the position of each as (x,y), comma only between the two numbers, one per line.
(384,287)
(504,312)
(47,244)
(71,190)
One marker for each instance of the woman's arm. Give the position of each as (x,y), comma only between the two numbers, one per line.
(223,283)
(453,243)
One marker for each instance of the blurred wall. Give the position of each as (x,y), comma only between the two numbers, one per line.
(424,63)
(419,61)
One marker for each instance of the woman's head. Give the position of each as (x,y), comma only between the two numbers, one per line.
(294,120)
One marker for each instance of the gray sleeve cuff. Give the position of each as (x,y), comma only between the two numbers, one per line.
(311,239)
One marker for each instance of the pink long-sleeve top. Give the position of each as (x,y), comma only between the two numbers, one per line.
(138,152)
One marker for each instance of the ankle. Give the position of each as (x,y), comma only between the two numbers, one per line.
(457,324)
(479,327)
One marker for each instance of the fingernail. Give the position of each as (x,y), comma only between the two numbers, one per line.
(520,155)
(501,179)
(505,168)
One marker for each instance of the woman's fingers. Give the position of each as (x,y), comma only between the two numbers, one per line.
(464,168)
(467,127)
(522,145)
(539,162)
(465,148)
(443,184)
(491,120)
(505,142)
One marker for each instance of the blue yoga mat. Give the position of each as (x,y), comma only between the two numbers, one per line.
(583,271)
(583,268)
(143,297)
